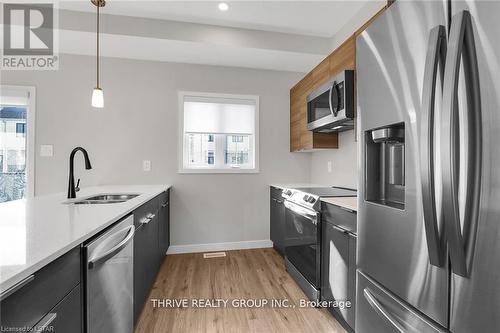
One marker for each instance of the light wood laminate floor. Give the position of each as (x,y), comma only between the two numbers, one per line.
(242,274)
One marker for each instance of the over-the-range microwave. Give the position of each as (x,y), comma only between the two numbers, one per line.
(330,108)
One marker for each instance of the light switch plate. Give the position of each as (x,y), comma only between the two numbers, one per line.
(46,150)
(146,165)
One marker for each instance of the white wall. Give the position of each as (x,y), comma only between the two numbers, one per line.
(344,163)
(362,16)
(139,122)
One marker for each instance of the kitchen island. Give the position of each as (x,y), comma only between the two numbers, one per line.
(36,231)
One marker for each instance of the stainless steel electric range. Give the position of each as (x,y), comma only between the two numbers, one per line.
(303,234)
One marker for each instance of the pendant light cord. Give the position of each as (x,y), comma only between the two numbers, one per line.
(98,5)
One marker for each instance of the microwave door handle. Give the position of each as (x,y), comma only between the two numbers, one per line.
(330,92)
(434,64)
(462,47)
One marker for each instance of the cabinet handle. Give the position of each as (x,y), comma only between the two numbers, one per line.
(16,287)
(279,201)
(44,323)
(145,220)
(164,205)
(339,229)
(151,216)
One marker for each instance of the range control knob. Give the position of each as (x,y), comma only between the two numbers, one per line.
(306,198)
(311,199)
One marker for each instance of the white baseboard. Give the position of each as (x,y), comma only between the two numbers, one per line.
(194,248)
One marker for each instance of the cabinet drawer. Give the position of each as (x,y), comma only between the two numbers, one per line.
(276,192)
(28,305)
(65,316)
(150,207)
(342,217)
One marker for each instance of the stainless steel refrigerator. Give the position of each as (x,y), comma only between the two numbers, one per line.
(428,90)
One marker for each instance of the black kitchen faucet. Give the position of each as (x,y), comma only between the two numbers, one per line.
(71,185)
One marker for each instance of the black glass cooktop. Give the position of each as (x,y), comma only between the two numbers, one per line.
(328,191)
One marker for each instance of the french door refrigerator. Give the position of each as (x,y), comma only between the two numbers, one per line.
(428,91)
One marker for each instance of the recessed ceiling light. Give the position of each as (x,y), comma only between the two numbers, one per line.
(223,7)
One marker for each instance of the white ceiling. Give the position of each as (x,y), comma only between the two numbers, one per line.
(317,18)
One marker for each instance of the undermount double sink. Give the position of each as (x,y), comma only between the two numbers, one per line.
(104,199)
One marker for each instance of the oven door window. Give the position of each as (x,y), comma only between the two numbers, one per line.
(319,107)
(301,245)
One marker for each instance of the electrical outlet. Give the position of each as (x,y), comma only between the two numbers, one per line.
(146,165)
(46,150)
(329,166)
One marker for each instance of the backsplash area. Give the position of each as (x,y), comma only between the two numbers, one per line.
(344,161)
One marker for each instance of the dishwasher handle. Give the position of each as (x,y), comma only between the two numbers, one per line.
(115,249)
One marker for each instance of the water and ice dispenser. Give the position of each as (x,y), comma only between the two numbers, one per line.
(385,165)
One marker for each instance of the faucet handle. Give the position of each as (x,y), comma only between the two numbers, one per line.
(77,188)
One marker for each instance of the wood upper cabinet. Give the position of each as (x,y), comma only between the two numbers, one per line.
(343,58)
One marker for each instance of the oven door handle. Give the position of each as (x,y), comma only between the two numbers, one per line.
(304,212)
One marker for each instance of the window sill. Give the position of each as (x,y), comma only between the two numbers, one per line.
(217,171)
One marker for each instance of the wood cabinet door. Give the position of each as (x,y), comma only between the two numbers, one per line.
(344,57)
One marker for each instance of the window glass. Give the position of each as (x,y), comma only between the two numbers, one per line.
(219,133)
(12,152)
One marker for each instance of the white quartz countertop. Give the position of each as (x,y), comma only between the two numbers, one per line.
(296,185)
(36,231)
(346,202)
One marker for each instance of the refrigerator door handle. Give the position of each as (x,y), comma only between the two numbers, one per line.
(461,49)
(382,312)
(435,60)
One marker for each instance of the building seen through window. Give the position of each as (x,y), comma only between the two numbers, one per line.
(12,153)
(219,133)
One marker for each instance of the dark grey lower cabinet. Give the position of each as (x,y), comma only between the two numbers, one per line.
(164,224)
(65,316)
(277,220)
(151,241)
(43,298)
(145,262)
(338,272)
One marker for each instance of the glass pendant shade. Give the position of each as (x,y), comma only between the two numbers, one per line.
(97,98)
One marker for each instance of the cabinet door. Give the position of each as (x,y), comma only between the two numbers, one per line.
(273,221)
(335,268)
(153,228)
(41,292)
(278,224)
(146,262)
(351,293)
(141,283)
(66,316)
(164,225)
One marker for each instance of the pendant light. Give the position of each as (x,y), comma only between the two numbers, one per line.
(97,93)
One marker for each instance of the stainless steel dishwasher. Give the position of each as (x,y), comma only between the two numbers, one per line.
(109,279)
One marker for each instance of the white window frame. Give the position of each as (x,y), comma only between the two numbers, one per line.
(30,136)
(255,145)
